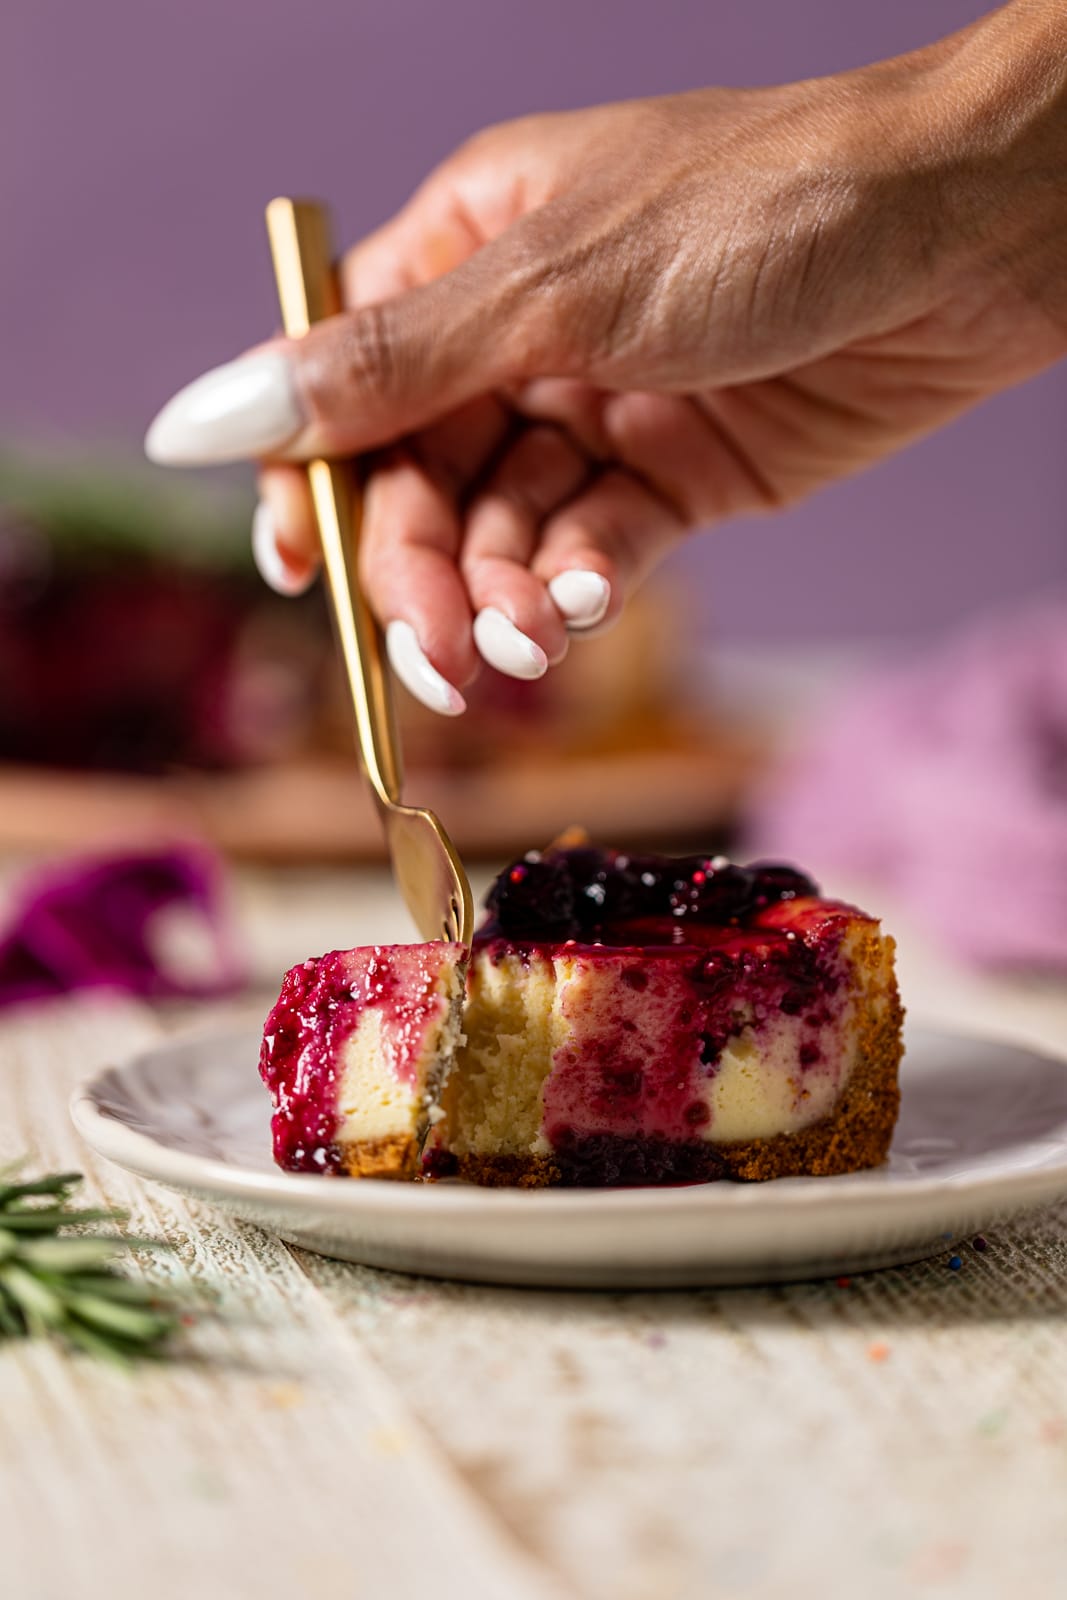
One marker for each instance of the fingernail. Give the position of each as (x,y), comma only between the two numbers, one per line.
(505,648)
(248,407)
(581,598)
(285,576)
(416,673)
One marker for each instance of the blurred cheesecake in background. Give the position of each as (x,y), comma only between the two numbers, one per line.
(150,684)
(133,635)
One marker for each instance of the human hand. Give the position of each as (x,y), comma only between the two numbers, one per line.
(589,334)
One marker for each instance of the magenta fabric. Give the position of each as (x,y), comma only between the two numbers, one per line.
(88,924)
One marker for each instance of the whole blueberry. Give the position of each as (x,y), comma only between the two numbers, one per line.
(773,880)
(629,886)
(534,898)
(707,891)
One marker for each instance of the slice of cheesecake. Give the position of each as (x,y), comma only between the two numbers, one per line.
(355,1054)
(626,1020)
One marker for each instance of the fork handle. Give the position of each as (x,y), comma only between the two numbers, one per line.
(299,233)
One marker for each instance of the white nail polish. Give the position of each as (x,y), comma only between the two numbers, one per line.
(272,567)
(581,598)
(505,648)
(417,674)
(248,407)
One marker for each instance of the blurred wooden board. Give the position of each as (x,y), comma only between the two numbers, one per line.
(321,811)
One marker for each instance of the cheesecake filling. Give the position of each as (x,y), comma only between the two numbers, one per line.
(750,1034)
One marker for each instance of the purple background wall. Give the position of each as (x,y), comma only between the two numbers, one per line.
(138,143)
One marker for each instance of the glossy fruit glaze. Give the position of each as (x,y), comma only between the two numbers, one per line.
(321,1003)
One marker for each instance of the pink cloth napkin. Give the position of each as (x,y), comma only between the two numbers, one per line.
(96,923)
(946,779)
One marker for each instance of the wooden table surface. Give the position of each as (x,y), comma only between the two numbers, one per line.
(339,1432)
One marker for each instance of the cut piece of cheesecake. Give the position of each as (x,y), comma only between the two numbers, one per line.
(355,1053)
(627,1020)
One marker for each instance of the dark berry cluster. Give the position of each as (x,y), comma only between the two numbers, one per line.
(575,894)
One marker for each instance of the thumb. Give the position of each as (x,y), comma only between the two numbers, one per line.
(369,376)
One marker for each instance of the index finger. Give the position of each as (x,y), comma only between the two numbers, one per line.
(430,236)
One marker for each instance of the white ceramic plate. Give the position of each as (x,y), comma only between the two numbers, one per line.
(982,1135)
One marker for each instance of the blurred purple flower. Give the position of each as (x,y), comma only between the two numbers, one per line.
(946,780)
(149,924)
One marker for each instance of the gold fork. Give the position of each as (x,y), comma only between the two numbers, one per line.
(426,866)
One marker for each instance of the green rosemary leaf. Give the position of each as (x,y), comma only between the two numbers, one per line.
(12,1322)
(41,1305)
(113,1286)
(129,1322)
(55,1184)
(70,1254)
(57,1279)
(46,1219)
(98,1344)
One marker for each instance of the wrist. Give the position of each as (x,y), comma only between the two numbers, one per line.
(989,124)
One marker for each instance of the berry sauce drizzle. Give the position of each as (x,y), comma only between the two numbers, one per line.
(321,1003)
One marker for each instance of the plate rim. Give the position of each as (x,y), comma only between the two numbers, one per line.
(148,1157)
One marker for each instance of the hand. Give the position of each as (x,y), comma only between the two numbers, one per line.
(589,334)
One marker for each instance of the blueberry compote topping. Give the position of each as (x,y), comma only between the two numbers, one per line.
(607,897)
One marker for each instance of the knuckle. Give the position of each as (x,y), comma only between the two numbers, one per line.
(368,352)
(350,363)
(512,135)
(478,146)
(507,505)
(482,568)
(529,479)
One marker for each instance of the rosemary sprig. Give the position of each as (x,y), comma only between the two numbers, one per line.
(63,1284)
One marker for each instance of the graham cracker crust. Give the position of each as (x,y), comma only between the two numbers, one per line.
(394,1156)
